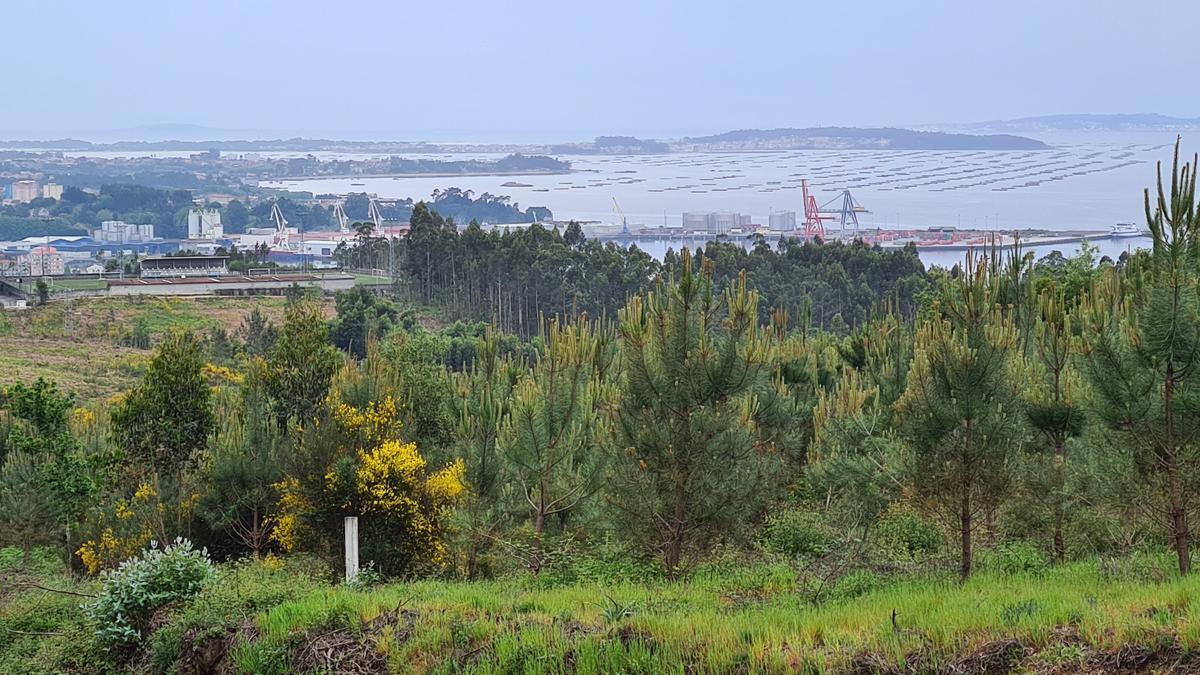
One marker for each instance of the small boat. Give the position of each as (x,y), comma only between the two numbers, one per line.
(1123,230)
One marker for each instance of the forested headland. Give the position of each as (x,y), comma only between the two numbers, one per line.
(813,457)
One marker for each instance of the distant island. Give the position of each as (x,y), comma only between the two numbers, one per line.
(745,140)
(1087,122)
(852,138)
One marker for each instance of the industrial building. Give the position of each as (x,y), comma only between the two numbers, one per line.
(52,191)
(205,224)
(121,232)
(717,222)
(273,284)
(782,221)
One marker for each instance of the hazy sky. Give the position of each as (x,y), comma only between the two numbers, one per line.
(566,70)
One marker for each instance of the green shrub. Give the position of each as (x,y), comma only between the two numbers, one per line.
(1015,558)
(134,591)
(1138,567)
(855,584)
(604,562)
(903,534)
(239,590)
(367,578)
(797,533)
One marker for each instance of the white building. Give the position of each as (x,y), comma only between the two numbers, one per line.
(52,191)
(205,224)
(121,232)
(695,222)
(318,247)
(784,221)
(25,191)
(718,222)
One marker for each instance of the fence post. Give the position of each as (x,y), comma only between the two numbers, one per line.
(351,548)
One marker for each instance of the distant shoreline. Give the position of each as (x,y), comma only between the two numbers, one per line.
(526,172)
(743,140)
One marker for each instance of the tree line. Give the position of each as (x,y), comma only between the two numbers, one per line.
(516,279)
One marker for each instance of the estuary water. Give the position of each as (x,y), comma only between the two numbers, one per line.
(1085,181)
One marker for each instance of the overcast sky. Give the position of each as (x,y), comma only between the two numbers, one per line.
(568,70)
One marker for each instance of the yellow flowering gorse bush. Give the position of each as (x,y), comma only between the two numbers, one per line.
(403,505)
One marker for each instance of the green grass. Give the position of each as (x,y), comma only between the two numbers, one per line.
(268,617)
(721,625)
(57,285)
(370,279)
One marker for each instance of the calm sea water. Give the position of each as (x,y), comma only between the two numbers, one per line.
(1113,248)
(1086,181)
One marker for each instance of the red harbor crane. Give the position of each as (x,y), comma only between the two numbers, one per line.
(814,220)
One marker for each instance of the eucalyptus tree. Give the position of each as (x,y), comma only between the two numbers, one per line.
(1143,353)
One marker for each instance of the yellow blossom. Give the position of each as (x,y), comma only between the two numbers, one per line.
(388,474)
(123,510)
(446,485)
(291,505)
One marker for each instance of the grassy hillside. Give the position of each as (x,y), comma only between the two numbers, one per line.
(79,343)
(273,617)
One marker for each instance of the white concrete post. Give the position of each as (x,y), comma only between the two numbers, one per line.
(351,548)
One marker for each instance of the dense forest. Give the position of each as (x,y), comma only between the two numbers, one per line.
(516,279)
(1008,414)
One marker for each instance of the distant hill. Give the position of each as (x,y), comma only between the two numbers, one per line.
(745,140)
(1088,122)
(852,138)
(612,145)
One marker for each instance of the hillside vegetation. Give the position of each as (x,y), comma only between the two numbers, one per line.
(989,469)
(274,616)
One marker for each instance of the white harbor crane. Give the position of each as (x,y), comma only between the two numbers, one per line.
(339,214)
(375,215)
(281,226)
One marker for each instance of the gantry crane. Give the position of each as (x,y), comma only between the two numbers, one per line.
(849,210)
(814,220)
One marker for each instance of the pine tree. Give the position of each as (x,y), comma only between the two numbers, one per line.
(481,402)
(243,465)
(166,419)
(301,364)
(1143,352)
(27,509)
(1052,398)
(958,408)
(689,415)
(551,441)
(856,455)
